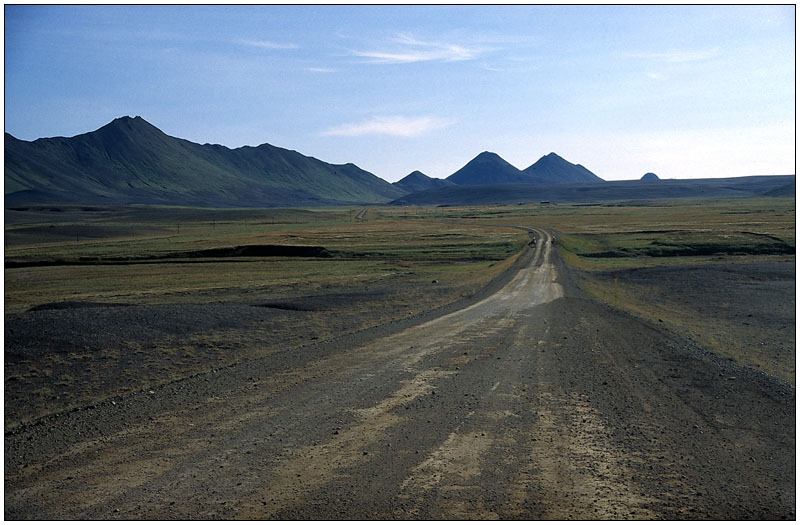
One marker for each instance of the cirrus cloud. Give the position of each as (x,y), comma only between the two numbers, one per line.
(678,55)
(321,70)
(268,44)
(406,49)
(398,126)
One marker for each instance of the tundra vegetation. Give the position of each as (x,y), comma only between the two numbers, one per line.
(719,272)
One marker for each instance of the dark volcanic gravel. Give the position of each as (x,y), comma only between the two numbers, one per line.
(535,403)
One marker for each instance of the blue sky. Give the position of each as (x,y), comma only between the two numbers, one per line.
(683,91)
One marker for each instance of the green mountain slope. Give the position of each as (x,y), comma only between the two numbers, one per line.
(131,161)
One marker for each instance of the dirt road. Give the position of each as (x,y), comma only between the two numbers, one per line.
(533,403)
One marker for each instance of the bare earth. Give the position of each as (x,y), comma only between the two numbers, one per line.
(533,403)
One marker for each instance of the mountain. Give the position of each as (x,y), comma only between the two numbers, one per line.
(490,168)
(418,181)
(487,168)
(605,191)
(553,169)
(131,161)
(649,176)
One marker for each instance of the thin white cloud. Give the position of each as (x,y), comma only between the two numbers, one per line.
(267,44)
(398,126)
(408,38)
(487,67)
(405,49)
(678,56)
(321,70)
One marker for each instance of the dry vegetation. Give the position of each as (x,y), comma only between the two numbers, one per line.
(188,314)
(719,272)
(138,255)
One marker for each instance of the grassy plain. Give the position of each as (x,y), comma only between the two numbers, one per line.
(721,272)
(189,312)
(147,255)
(718,272)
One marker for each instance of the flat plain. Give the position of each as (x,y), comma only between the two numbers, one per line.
(536,361)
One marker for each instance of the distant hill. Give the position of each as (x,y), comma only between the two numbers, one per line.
(649,176)
(131,161)
(418,181)
(783,191)
(605,192)
(487,168)
(553,169)
(490,168)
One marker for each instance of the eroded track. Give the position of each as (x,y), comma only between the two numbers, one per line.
(526,405)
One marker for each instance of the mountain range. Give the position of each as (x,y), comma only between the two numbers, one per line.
(490,168)
(630,191)
(131,161)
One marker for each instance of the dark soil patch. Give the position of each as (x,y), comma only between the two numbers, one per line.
(668,249)
(67,305)
(326,302)
(748,310)
(263,250)
(59,233)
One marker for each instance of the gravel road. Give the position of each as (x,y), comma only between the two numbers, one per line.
(533,403)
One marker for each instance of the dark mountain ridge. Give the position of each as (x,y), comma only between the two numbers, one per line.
(418,181)
(487,168)
(131,161)
(554,169)
(606,191)
(490,168)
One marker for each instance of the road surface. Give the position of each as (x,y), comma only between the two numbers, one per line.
(530,404)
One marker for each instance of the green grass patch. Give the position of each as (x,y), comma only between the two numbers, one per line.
(154,255)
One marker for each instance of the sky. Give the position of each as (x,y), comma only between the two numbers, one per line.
(682,91)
